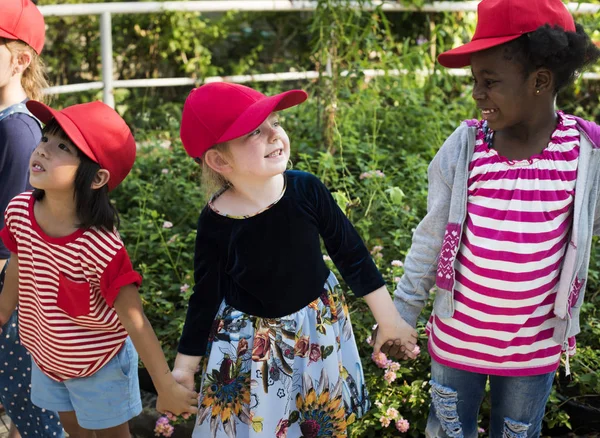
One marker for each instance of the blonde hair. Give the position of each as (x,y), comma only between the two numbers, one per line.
(213,181)
(34,77)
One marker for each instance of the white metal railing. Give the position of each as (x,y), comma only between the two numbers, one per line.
(105,10)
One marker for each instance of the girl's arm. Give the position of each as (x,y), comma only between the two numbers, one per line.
(173,397)
(389,322)
(421,262)
(185,368)
(9,297)
(353,260)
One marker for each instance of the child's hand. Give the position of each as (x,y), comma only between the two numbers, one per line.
(397,340)
(185,377)
(177,399)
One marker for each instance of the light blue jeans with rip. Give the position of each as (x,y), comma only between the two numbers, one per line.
(518,403)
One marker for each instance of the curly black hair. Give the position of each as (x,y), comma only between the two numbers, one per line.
(564,53)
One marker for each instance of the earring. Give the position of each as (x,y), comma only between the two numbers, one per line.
(537,91)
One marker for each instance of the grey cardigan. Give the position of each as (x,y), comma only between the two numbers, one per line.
(432,256)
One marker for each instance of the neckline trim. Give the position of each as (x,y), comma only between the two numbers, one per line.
(212,207)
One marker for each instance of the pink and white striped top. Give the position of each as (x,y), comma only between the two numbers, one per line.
(519,216)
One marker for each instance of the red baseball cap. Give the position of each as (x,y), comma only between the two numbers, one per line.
(221,111)
(98,131)
(22,20)
(501,21)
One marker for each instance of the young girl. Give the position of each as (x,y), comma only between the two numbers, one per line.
(266,311)
(22,32)
(511,212)
(79,309)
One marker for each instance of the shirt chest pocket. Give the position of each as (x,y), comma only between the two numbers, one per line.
(73,296)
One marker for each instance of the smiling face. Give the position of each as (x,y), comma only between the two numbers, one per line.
(263,153)
(53,164)
(504,93)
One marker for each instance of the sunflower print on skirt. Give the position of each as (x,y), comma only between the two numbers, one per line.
(295,376)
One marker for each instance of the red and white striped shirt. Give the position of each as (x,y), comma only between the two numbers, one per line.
(67,287)
(519,216)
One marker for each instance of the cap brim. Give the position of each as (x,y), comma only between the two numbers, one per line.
(44,113)
(461,56)
(7,35)
(255,114)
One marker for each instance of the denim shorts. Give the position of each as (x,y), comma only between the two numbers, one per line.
(106,399)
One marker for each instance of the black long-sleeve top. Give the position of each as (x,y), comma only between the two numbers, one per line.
(270,265)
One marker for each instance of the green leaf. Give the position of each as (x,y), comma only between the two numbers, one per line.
(396,195)
(326,351)
(294,416)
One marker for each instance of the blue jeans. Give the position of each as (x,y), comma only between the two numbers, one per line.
(518,403)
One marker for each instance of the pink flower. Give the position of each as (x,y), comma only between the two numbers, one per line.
(163,427)
(380,359)
(385,421)
(315,353)
(369,340)
(184,287)
(481,430)
(402,425)
(261,350)
(372,174)
(165,171)
(392,413)
(389,376)
(396,279)
(162,421)
(282,428)
(394,366)
(416,350)
(167,224)
(302,346)
(397,263)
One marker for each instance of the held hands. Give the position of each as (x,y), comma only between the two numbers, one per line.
(397,340)
(178,397)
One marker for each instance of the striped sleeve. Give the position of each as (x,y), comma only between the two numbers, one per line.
(117,274)
(6,235)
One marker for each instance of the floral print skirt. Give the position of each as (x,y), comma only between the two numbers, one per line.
(295,376)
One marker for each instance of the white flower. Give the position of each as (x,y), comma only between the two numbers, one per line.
(167,224)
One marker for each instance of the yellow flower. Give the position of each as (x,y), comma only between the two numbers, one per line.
(321,414)
(226,396)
